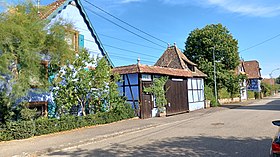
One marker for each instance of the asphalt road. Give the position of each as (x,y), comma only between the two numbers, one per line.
(243,131)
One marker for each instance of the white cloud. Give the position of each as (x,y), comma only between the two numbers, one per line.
(247,8)
(259,8)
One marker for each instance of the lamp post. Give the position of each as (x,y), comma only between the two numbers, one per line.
(215,78)
(273,71)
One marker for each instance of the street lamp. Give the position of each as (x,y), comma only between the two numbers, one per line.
(215,77)
(273,71)
(271,75)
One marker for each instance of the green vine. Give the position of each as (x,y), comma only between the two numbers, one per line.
(157,89)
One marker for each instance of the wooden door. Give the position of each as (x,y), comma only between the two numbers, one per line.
(177,97)
(146,106)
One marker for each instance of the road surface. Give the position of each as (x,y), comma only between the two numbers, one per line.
(243,131)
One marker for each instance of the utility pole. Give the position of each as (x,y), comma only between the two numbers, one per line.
(215,78)
(38,6)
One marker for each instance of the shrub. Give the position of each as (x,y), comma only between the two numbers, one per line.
(210,96)
(43,125)
(251,94)
(224,94)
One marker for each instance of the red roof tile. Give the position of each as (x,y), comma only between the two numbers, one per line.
(252,69)
(46,11)
(270,81)
(139,68)
(173,58)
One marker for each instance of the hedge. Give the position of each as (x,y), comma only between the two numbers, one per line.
(26,129)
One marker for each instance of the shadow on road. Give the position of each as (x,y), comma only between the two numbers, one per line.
(184,146)
(273,105)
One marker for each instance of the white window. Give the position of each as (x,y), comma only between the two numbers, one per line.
(146,77)
(195,89)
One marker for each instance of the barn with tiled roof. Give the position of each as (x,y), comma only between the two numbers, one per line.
(184,88)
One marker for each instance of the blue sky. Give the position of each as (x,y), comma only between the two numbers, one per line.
(250,22)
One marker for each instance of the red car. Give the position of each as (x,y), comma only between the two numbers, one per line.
(275,146)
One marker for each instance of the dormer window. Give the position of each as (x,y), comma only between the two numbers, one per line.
(191,67)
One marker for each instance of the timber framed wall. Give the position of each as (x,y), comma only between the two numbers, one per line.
(196,93)
(129,88)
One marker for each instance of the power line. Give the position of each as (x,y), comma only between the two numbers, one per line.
(129,42)
(126,41)
(115,47)
(126,22)
(123,27)
(260,43)
(133,56)
(129,51)
(129,59)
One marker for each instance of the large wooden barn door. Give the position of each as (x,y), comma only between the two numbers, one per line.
(177,96)
(146,106)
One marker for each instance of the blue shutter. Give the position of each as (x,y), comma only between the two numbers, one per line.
(81,41)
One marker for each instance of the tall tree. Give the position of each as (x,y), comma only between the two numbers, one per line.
(91,90)
(203,44)
(74,85)
(24,43)
(277,81)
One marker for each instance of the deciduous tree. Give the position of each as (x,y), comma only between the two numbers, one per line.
(215,39)
(26,40)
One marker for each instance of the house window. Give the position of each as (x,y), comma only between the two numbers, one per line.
(72,39)
(146,77)
(41,108)
(75,40)
(191,67)
(195,90)
(177,79)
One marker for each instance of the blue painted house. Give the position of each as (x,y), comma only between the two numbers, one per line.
(82,35)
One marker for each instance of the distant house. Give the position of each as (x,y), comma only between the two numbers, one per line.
(270,81)
(83,36)
(243,85)
(185,87)
(253,73)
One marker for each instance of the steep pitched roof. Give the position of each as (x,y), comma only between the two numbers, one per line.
(139,68)
(51,10)
(46,11)
(252,69)
(174,58)
(240,68)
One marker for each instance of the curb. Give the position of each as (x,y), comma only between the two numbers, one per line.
(84,142)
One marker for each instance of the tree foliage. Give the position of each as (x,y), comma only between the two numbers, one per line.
(93,90)
(25,40)
(277,81)
(157,89)
(214,38)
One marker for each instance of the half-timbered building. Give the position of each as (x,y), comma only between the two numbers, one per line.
(184,88)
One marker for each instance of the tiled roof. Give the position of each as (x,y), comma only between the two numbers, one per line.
(139,68)
(240,69)
(46,11)
(252,69)
(174,58)
(270,81)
